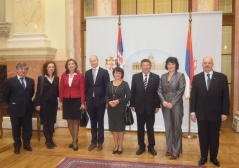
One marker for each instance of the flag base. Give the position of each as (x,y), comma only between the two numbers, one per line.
(189,135)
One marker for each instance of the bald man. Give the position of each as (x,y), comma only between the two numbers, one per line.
(209,106)
(96,80)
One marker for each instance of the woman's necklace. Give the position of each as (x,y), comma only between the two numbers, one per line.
(115,89)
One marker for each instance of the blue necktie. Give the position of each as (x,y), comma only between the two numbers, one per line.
(23,84)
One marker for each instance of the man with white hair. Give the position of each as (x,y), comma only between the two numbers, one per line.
(209,105)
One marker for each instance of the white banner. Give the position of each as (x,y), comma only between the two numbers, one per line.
(155,37)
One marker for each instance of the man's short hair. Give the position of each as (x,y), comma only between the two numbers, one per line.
(145,60)
(22,65)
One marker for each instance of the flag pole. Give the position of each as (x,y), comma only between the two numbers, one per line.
(189,135)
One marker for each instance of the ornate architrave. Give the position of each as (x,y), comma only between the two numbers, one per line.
(5,28)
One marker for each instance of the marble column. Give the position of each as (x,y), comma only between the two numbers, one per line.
(28,41)
(78,34)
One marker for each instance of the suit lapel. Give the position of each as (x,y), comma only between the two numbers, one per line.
(141,80)
(27,82)
(97,77)
(149,81)
(91,76)
(18,81)
(203,82)
(213,80)
(173,77)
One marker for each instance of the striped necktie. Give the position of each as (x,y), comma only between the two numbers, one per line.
(145,82)
(208,81)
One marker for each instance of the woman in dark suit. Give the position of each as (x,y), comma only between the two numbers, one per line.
(47,100)
(117,96)
(171,90)
(72,98)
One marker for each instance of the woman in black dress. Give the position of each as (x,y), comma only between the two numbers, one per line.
(117,96)
(47,100)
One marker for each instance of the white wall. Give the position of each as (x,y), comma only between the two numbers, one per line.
(160,36)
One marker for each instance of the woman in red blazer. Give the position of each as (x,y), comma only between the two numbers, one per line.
(72,98)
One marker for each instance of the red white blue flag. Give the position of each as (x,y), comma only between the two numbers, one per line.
(189,63)
(120,58)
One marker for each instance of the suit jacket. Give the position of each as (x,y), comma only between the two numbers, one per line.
(210,104)
(50,91)
(145,100)
(174,88)
(99,88)
(19,100)
(76,90)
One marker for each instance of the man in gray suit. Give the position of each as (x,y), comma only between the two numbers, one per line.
(145,102)
(209,105)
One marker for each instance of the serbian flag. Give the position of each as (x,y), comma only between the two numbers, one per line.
(189,64)
(120,58)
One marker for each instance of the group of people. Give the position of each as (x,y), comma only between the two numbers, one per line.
(209,104)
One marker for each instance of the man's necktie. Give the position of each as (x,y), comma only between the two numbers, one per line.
(22,82)
(145,82)
(94,74)
(208,81)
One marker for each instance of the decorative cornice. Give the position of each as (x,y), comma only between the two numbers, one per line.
(21,54)
(5,28)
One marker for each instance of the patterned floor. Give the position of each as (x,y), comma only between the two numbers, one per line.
(78,163)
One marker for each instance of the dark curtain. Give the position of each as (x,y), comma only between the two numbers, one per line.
(3,77)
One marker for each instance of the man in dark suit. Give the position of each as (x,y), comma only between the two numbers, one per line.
(18,94)
(145,102)
(96,80)
(209,105)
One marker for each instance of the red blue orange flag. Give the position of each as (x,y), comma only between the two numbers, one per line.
(189,63)
(120,58)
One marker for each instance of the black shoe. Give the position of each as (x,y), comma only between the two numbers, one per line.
(71,145)
(215,162)
(115,151)
(140,151)
(75,148)
(202,161)
(53,144)
(153,152)
(28,148)
(49,145)
(16,150)
(120,152)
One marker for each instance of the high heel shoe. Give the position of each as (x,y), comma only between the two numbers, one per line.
(75,148)
(115,151)
(173,157)
(120,152)
(71,145)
